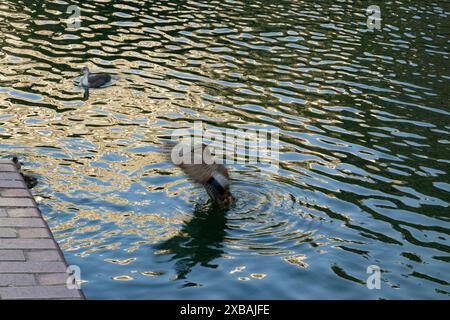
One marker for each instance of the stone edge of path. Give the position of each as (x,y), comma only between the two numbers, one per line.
(32,265)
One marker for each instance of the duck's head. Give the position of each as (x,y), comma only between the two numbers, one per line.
(228,198)
(85,70)
(218,188)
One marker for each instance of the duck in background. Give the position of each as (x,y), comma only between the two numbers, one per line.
(93,80)
(203,169)
(30,181)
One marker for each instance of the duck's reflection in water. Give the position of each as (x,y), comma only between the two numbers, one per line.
(86,94)
(199,242)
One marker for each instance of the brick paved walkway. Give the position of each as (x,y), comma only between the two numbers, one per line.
(31,263)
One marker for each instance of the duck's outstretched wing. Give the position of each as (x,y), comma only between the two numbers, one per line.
(196,162)
(202,173)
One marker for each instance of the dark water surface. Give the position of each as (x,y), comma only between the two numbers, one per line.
(364,131)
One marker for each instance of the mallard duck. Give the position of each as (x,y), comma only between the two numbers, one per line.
(93,80)
(202,168)
(30,181)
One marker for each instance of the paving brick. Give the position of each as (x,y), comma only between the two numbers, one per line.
(12,184)
(7,167)
(10,176)
(23,212)
(27,244)
(16,202)
(31,267)
(8,233)
(38,292)
(12,255)
(51,279)
(27,233)
(22,222)
(16,279)
(16,193)
(43,255)
(31,264)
